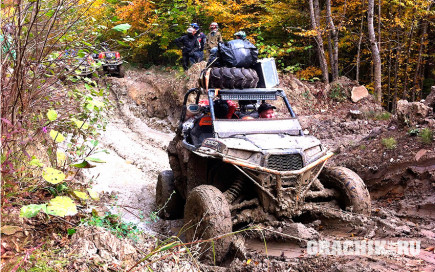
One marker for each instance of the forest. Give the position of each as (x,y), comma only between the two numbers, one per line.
(316,40)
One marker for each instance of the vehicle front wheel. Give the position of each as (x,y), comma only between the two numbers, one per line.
(169,202)
(207,216)
(354,195)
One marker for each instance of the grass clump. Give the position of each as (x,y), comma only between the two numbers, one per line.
(426,135)
(383,116)
(389,143)
(113,223)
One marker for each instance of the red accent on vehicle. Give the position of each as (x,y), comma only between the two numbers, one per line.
(101,56)
(205,121)
(118,56)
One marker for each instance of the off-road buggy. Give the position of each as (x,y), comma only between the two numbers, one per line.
(229,173)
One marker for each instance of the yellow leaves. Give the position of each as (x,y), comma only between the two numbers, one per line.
(307,33)
(52,175)
(309,73)
(398,22)
(57,136)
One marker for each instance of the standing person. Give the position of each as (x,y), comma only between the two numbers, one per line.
(189,45)
(201,41)
(213,38)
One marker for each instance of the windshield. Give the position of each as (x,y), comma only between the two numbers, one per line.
(229,128)
(266,111)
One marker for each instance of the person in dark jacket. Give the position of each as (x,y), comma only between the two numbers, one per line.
(189,45)
(201,41)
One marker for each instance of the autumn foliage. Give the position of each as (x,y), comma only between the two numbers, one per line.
(283,30)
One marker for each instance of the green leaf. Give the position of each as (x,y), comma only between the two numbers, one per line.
(168,246)
(122,27)
(80,124)
(62,206)
(94,195)
(55,135)
(81,195)
(94,160)
(52,115)
(83,164)
(52,175)
(122,43)
(35,162)
(71,231)
(31,210)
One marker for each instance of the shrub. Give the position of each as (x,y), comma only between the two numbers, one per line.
(426,135)
(337,93)
(383,116)
(389,143)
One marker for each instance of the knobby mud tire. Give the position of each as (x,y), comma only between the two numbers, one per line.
(233,78)
(121,70)
(354,194)
(207,215)
(169,204)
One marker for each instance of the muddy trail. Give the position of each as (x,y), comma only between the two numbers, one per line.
(401,181)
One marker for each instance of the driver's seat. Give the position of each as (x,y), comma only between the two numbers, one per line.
(202,129)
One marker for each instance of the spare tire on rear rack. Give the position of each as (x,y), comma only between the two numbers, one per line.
(229,78)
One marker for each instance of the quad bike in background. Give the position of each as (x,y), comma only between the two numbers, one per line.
(76,65)
(111,62)
(231,173)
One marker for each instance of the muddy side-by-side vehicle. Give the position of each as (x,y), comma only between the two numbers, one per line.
(232,171)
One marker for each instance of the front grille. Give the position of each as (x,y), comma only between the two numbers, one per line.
(286,162)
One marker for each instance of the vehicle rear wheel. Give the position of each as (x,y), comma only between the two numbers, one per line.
(354,195)
(121,70)
(207,215)
(233,78)
(169,202)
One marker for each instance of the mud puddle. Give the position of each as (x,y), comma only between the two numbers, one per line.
(275,248)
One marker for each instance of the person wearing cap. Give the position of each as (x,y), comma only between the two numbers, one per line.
(201,38)
(213,38)
(266,111)
(241,35)
(189,45)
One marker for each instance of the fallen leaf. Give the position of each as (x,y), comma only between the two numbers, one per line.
(62,206)
(52,175)
(430,249)
(81,195)
(9,230)
(94,195)
(420,154)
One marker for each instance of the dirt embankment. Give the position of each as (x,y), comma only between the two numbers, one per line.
(400,180)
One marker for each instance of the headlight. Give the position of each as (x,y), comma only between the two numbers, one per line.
(312,151)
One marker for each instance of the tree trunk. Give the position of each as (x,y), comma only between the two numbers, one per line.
(417,87)
(408,55)
(358,56)
(319,40)
(334,36)
(375,52)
